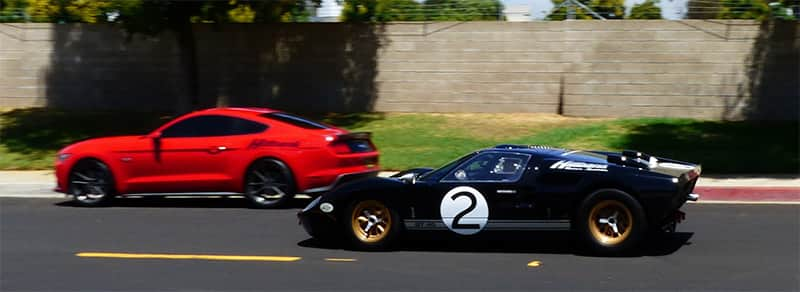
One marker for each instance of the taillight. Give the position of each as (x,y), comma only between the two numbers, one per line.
(352,146)
(340,147)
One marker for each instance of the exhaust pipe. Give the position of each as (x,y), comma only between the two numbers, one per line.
(692,197)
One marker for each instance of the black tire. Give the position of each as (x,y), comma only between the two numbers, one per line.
(610,221)
(380,234)
(91,183)
(268,183)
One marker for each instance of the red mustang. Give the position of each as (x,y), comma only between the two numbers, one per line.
(268,155)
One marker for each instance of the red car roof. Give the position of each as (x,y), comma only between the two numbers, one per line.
(241,110)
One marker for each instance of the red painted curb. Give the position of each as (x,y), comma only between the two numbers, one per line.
(751,194)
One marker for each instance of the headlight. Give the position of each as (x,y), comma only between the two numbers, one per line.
(63,157)
(326,207)
(312,204)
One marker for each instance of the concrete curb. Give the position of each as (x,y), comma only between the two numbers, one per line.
(749,194)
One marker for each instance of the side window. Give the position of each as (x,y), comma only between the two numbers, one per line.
(492,167)
(244,127)
(211,126)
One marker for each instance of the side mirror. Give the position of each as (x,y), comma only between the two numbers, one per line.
(154,135)
(409,178)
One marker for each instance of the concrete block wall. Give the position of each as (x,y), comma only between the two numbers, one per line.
(705,69)
(23,63)
(697,69)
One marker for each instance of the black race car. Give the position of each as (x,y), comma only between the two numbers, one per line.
(610,200)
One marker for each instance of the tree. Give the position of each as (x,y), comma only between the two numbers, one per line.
(609,9)
(359,10)
(398,10)
(646,10)
(63,11)
(410,10)
(702,9)
(463,10)
(744,9)
(786,10)
(13,10)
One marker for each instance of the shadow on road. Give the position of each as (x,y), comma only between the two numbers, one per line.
(172,202)
(528,242)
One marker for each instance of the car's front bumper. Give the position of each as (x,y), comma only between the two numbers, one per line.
(316,223)
(61,174)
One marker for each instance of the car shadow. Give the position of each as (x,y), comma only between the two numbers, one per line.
(528,242)
(184,202)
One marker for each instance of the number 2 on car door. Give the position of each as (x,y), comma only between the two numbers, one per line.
(464,210)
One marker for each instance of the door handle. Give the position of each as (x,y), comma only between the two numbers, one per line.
(507,191)
(217,149)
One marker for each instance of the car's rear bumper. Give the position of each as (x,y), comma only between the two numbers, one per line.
(342,178)
(666,211)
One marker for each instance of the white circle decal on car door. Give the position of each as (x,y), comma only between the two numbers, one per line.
(464,210)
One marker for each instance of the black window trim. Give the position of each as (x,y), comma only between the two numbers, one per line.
(295,120)
(266,126)
(452,171)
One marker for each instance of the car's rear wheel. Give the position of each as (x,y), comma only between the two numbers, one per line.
(371,225)
(91,183)
(269,184)
(610,221)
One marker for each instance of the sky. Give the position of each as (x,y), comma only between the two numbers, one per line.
(670,9)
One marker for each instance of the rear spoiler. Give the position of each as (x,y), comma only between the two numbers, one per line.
(632,158)
(675,168)
(355,136)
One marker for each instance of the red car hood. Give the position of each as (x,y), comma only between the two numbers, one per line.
(105,143)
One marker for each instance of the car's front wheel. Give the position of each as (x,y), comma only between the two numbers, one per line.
(371,225)
(269,184)
(610,221)
(91,183)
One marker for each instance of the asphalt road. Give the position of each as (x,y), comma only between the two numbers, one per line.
(719,247)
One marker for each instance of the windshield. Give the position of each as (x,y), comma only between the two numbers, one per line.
(442,171)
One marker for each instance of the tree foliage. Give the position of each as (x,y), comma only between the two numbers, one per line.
(743,9)
(359,10)
(13,10)
(410,10)
(63,11)
(399,10)
(646,10)
(463,10)
(156,11)
(609,9)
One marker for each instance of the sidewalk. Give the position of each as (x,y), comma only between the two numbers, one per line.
(28,184)
(750,188)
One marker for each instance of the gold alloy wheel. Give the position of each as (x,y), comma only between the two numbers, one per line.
(610,222)
(371,221)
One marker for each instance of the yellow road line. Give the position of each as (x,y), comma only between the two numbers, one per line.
(339,260)
(186,257)
(534,264)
